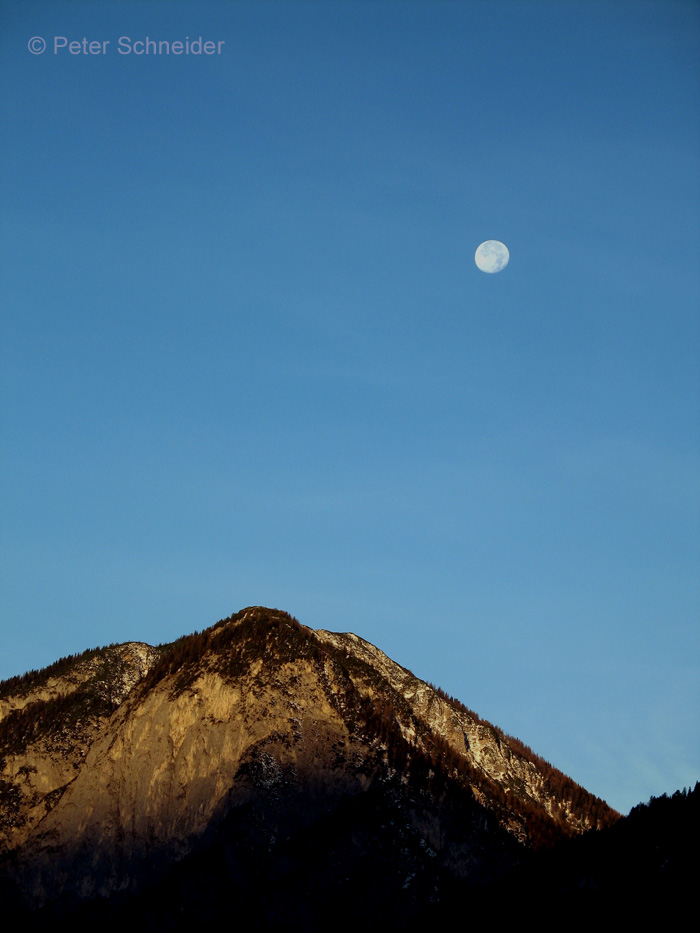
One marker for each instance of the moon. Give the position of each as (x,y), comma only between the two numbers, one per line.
(492,256)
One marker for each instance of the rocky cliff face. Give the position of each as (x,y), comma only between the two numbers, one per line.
(48,724)
(253,750)
(498,760)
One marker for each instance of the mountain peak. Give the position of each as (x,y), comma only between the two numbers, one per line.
(132,760)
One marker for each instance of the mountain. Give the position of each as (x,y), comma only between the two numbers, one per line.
(263,767)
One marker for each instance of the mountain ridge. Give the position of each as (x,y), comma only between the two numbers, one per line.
(132,760)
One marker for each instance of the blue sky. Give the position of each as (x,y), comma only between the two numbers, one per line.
(247,357)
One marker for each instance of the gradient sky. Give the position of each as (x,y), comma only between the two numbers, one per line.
(247,357)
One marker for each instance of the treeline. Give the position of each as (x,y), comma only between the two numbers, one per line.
(643,867)
(664,808)
(584,804)
(22,683)
(446,772)
(235,641)
(457,704)
(434,763)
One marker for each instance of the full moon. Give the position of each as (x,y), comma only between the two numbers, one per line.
(492,256)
